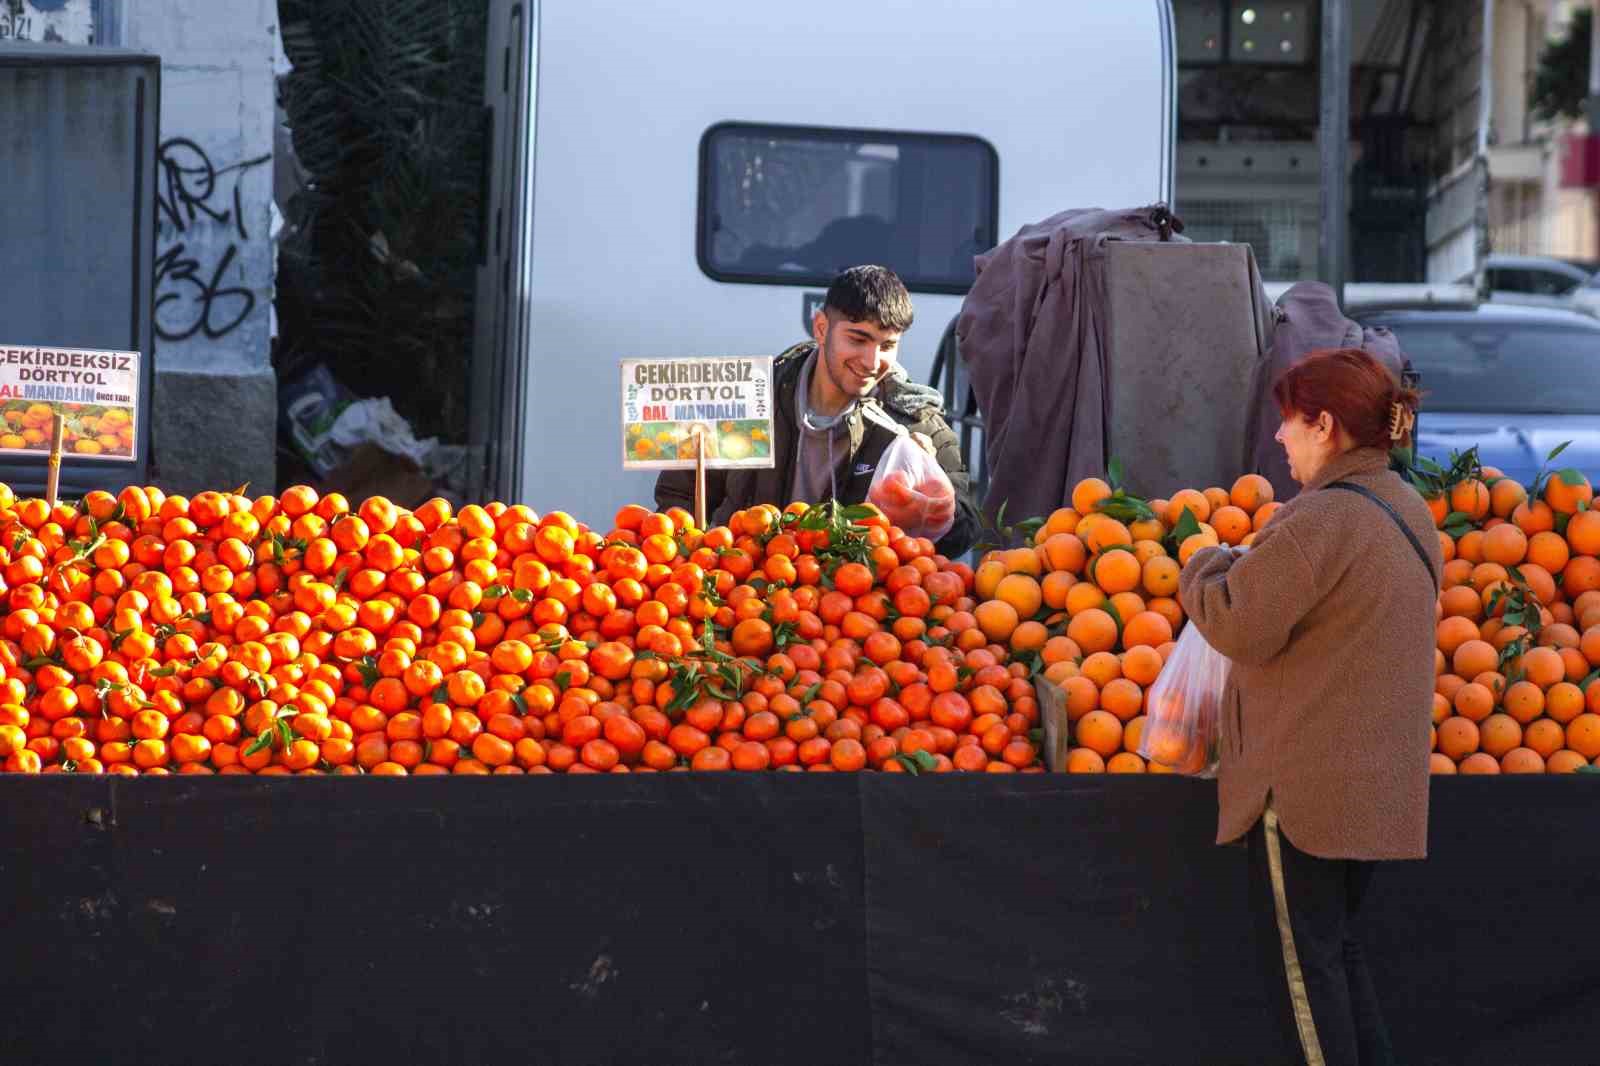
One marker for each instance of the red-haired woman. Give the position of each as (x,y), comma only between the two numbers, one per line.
(1329,620)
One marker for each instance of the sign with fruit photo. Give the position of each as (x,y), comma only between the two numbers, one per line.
(664,400)
(95,392)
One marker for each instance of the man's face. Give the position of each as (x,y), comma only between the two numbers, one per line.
(856,355)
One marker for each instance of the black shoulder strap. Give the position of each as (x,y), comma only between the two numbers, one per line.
(1350,486)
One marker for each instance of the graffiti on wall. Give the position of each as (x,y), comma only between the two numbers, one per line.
(64,21)
(201,224)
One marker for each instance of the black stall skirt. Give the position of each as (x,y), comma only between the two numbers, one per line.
(761,919)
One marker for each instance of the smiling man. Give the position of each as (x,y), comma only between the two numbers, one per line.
(841,399)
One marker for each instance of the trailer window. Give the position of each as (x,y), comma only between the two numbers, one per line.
(787,205)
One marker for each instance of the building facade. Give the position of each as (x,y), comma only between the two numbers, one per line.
(1448,162)
(1530,212)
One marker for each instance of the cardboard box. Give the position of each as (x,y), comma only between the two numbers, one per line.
(371,471)
(1057,727)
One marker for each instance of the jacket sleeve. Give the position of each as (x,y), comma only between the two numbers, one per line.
(947,450)
(675,488)
(1248,603)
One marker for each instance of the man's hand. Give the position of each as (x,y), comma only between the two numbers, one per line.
(925,442)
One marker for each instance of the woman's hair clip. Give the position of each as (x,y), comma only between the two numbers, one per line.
(1402,420)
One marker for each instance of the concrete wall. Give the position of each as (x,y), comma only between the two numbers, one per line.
(1457,224)
(215,396)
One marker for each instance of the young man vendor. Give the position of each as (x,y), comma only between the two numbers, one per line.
(840,400)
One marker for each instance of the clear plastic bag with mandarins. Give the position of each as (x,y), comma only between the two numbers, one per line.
(1180,729)
(912,489)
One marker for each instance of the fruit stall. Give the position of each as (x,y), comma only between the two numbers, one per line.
(938,896)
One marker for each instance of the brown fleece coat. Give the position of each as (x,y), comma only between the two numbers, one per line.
(1329,622)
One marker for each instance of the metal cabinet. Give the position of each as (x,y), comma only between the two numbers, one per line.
(79,127)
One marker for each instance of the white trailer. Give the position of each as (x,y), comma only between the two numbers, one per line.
(682,179)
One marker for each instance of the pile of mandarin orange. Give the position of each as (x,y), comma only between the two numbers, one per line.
(151,634)
(1094,604)
(148,634)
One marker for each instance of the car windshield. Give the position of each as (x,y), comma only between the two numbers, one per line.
(1503,366)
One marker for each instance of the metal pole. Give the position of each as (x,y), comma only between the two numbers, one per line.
(1485,123)
(1334,127)
(1592,105)
(1486,79)
(1594,55)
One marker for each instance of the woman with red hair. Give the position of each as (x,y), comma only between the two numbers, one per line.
(1328,619)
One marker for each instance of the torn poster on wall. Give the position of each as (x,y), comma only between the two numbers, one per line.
(47,21)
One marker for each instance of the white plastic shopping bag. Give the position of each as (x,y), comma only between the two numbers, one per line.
(1180,729)
(913,490)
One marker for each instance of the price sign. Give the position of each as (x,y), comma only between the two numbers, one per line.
(96,392)
(665,400)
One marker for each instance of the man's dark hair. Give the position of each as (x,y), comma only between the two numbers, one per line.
(871,294)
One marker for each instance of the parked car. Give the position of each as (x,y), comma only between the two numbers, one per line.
(1586,297)
(1542,281)
(1391,294)
(1514,381)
